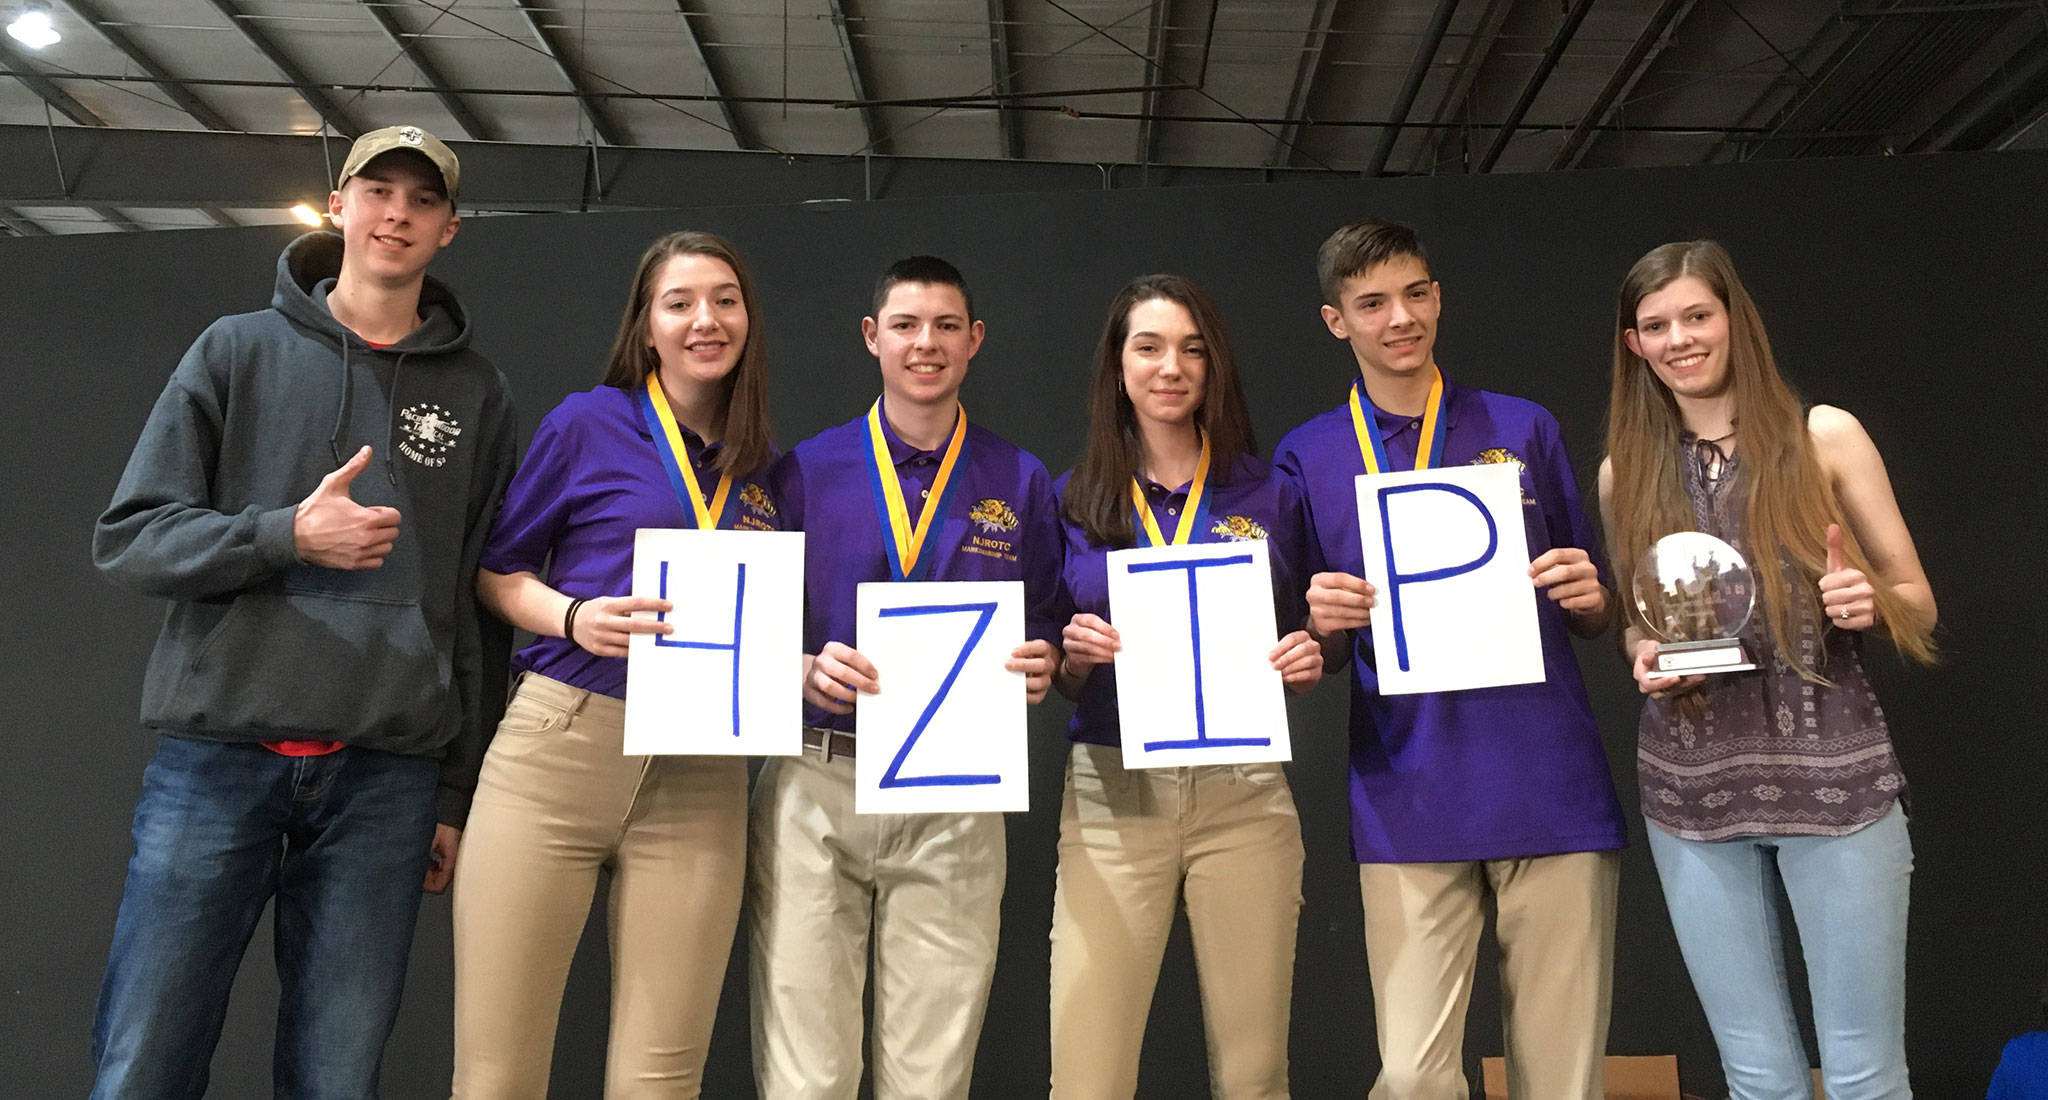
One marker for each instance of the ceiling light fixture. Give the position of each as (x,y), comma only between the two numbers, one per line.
(305,213)
(32,28)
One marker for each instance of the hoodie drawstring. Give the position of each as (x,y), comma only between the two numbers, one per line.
(390,417)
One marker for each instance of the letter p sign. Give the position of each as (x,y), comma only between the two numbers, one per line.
(1446,550)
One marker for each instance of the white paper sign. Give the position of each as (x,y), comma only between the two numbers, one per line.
(729,680)
(1447,554)
(945,734)
(1193,682)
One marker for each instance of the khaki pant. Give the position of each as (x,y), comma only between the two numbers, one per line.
(1130,843)
(929,887)
(556,801)
(1555,920)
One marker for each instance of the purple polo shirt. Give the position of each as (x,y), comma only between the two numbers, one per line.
(591,478)
(1491,773)
(1003,526)
(1257,503)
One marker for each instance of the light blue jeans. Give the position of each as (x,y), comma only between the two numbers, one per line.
(1848,898)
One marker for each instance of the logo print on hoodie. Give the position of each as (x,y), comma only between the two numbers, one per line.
(430,433)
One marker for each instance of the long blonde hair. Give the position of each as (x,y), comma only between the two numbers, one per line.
(1789,500)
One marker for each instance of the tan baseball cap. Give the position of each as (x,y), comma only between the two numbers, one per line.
(376,143)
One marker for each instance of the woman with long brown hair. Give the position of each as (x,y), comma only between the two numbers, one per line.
(676,435)
(1170,459)
(1783,774)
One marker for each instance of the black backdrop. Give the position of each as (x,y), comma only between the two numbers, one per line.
(1909,290)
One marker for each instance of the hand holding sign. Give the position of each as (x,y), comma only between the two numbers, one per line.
(331,530)
(1567,575)
(836,676)
(1298,658)
(1088,641)
(1035,659)
(605,626)
(1845,593)
(1338,602)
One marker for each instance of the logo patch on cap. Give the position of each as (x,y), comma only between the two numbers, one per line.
(412,135)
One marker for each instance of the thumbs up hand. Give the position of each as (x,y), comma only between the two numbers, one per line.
(331,530)
(1845,593)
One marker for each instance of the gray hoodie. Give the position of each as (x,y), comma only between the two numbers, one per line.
(258,646)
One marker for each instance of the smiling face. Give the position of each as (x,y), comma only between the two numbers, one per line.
(393,215)
(1681,330)
(696,320)
(1388,314)
(1165,362)
(924,340)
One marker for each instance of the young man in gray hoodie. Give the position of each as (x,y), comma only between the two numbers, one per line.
(311,492)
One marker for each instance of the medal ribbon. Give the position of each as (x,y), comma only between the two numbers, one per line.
(904,542)
(1194,516)
(675,461)
(1429,450)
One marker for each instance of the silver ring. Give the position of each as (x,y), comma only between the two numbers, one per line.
(1845,615)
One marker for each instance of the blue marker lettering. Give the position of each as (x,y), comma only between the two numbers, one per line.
(893,777)
(739,604)
(1201,740)
(1396,578)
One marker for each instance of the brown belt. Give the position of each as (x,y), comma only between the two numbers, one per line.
(830,742)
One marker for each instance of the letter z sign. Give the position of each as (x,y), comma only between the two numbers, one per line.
(946,732)
(1447,554)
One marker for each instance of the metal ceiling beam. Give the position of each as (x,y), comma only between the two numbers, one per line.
(1305,72)
(877,142)
(1418,70)
(1000,82)
(117,36)
(693,43)
(1984,114)
(145,169)
(601,120)
(220,217)
(1791,79)
(1655,36)
(1530,90)
(336,116)
(473,126)
(19,67)
(2028,119)
(1457,98)
(20,224)
(1159,27)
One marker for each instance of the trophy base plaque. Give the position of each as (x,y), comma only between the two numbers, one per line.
(1708,655)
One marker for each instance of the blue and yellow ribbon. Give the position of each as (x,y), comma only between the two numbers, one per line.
(904,541)
(675,461)
(1194,517)
(1429,450)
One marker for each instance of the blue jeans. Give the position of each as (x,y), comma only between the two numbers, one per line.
(340,840)
(1848,897)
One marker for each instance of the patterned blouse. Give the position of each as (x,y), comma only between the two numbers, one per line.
(1771,754)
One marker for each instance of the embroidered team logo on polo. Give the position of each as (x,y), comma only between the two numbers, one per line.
(992,516)
(1238,529)
(412,135)
(430,433)
(1493,455)
(756,498)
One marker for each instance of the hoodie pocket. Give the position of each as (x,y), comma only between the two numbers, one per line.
(296,660)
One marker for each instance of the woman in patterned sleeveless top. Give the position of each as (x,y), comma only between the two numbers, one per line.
(1783,774)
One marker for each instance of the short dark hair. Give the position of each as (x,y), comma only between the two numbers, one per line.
(1359,246)
(929,270)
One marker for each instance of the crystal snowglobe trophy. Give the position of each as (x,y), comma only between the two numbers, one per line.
(1694,593)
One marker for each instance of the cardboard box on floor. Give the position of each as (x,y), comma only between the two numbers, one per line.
(1649,1077)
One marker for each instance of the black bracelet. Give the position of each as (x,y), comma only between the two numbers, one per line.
(569,618)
